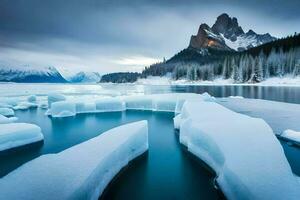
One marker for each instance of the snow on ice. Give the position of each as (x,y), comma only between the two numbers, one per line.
(54,97)
(279,115)
(6,120)
(18,134)
(162,102)
(80,172)
(7,112)
(291,135)
(243,158)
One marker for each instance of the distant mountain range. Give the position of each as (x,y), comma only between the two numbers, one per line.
(84,77)
(27,74)
(226,34)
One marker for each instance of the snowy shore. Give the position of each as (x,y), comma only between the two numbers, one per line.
(284,81)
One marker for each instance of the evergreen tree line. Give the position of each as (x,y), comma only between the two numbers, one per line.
(120,77)
(244,67)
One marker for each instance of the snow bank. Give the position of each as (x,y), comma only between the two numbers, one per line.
(80,172)
(291,135)
(54,97)
(7,112)
(243,151)
(63,109)
(18,134)
(6,120)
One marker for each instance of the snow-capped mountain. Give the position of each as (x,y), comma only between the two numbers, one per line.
(226,34)
(29,74)
(85,77)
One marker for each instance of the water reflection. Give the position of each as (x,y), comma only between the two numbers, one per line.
(284,94)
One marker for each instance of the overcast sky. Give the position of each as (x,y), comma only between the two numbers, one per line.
(114,35)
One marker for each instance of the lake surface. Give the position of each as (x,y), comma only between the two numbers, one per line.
(166,172)
(277,93)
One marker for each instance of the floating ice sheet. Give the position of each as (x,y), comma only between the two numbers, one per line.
(291,135)
(243,151)
(80,172)
(18,134)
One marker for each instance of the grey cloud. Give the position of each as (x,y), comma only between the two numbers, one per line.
(110,29)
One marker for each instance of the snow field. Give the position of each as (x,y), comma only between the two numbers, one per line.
(80,172)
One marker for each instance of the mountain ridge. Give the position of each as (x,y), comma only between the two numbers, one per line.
(28,74)
(226,34)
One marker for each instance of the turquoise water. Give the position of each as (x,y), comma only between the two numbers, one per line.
(166,172)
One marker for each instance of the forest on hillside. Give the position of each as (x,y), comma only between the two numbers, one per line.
(274,59)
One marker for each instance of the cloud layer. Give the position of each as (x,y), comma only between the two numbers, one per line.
(112,35)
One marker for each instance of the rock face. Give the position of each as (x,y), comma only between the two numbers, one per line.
(226,34)
(206,38)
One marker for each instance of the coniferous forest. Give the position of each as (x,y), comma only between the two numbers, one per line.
(275,59)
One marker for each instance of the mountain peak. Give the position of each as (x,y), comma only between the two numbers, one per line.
(227,26)
(227,34)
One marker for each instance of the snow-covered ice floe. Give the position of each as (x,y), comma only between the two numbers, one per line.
(6,120)
(55,97)
(25,105)
(291,135)
(7,112)
(156,102)
(243,151)
(18,134)
(80,172)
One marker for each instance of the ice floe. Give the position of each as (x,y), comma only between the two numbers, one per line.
(32,99)
(110,105)
(18,134)
(156,102)
(80,172)
(243,151)
(7,112)
(25,105)
(279,115)
(54,97)
(6,120)
(291,135)
(63,109)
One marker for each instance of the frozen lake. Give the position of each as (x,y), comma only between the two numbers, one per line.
(277,93)
(167,171)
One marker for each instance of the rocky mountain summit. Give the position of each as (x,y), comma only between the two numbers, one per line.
(226,34)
